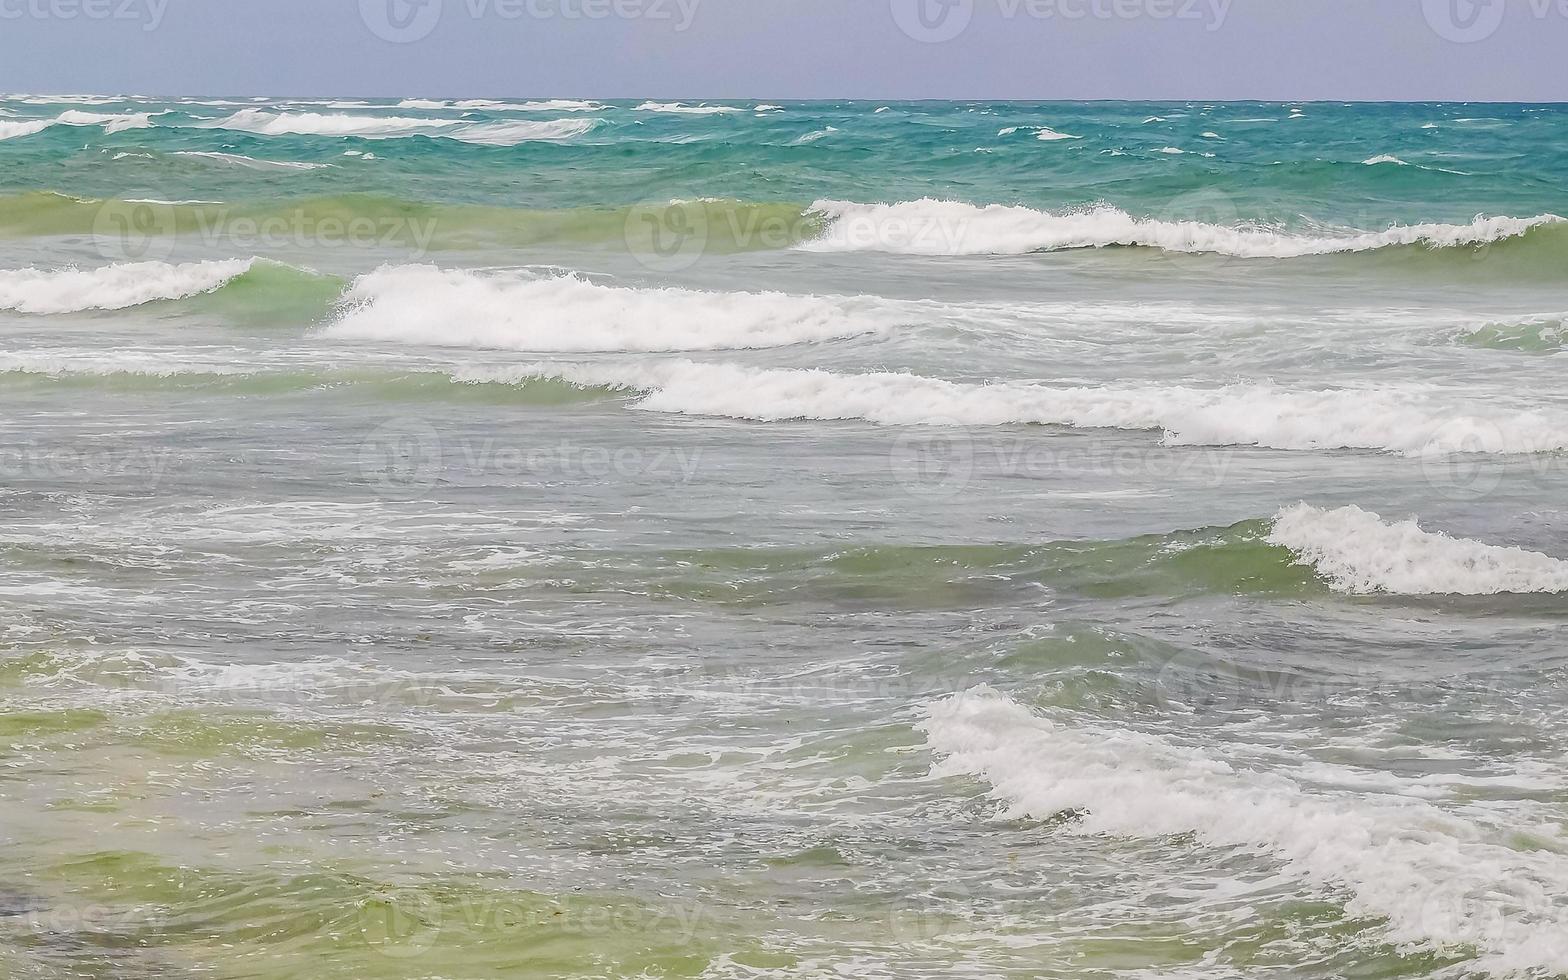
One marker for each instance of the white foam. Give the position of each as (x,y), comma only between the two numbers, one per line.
(457,308)
(687,110)
(111,122)
(1436,879)
(251,163)
(113,287)
(1265,415)
(1384,158)
(264,123)
(13,130)
(1357,551)
(812,137)
(514,133)
(1045,133)
(541,105)
(932,227)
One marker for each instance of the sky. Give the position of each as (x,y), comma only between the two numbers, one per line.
(1449,50)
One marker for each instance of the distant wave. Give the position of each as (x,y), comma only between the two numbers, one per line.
(1358,552)
(250,163)
(1532,245)
(111,122)
(1263,415)
(543,105)
(457,308)
(932,227)
(1044,133)
(680,108)
(262,122)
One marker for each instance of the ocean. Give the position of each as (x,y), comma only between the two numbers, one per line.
(503,538)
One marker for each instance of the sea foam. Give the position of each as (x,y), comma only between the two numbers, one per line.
(264,123)
(427,305)
(1435,879)
(1264,415)
(932,227)
(1357,551)
(112,287)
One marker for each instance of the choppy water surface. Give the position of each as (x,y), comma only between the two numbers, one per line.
(475,539)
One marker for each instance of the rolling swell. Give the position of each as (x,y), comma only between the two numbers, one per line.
(927,227)
(681,226)
(154,375)
(242,286)
(1301,552)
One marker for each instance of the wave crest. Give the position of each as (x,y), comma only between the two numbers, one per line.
(113,287)
(1437,879)
(1262,415)
(261,122)
(1356,551)
(427,305)
(933,227)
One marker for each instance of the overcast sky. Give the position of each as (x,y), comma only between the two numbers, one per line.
(793,49)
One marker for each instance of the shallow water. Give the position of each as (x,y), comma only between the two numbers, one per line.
(576,540)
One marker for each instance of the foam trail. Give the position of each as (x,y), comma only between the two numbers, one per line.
(1357,551)
(1262,415)
(111,122)
(931,227)
(1042,133)
(687,110)
(113,287)
(250,163)
(1436,879)
(13,130)
(542,105)
(264,123)
(426,305)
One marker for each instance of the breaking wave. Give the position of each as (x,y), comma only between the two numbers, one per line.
(457,308)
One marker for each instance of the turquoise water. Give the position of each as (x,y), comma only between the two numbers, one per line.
(553,538)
